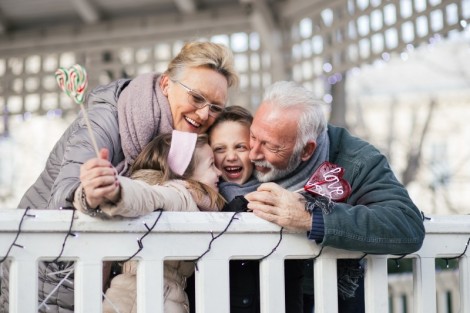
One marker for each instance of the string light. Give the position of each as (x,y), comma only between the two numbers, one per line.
(214,238)
(224,231)
(459,256)
(149,229)
(14,244)
(69,233)
(139,241)
(69,270)
(277,245)
(424,217)
(319,253)
(397,260)
(386,56)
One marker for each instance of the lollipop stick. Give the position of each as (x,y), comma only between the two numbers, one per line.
(73,82)
(88,124)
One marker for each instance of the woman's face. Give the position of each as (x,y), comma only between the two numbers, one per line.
(230,142)
(205,170)
(202,81)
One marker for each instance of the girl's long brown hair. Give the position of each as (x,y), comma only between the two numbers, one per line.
(155,157)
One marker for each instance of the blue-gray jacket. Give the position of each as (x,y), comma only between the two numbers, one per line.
(379,216)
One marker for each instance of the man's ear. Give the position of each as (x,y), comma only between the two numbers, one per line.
(308,150)
(164,84)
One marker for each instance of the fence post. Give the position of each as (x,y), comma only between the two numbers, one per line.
(150,277)
(212,274)
(326,285)
(424,280)
(464,269)
(88,285)
(23,297)
(272,293)
(376,284)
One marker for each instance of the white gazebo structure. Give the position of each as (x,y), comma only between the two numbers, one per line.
(330,46)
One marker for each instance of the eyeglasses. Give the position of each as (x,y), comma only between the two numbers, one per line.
(199,101)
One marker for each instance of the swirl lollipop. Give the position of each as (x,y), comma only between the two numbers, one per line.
(73,82)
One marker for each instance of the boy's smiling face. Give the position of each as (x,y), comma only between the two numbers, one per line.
(230,142)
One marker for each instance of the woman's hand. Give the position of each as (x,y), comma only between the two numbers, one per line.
(99,180)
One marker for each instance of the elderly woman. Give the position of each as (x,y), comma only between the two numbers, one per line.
(125,115)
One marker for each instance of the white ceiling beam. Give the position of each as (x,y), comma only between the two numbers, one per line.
(88,13)
(263,22)
(125,31)
(298,8)
(186,6)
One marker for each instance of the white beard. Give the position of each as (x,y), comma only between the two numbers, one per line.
(275,173)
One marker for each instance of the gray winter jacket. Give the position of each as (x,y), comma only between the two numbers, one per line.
(56,184)
(124,115)
(144,111)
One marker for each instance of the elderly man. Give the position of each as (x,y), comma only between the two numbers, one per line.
(289,140)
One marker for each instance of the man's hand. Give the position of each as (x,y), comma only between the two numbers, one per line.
(99,180)
(280,206)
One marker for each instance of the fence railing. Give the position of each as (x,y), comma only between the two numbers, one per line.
(400,288)
(46,234)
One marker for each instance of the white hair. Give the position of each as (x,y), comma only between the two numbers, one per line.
(288,94)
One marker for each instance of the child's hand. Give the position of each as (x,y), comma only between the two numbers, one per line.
(99,180)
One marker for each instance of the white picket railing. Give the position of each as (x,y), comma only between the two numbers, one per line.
(187,236)
(400,288)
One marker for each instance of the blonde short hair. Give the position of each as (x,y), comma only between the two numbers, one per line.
(204,54)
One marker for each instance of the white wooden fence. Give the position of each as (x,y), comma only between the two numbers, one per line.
(400,288)
(187,236)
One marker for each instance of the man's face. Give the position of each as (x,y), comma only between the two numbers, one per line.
(273,136)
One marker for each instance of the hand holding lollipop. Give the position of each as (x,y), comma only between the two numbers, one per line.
(73,82)
(328,181)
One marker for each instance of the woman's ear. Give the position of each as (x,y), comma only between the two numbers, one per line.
(164,84)
(308,150)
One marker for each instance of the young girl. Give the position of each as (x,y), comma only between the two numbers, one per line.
(229,138)
(175,172)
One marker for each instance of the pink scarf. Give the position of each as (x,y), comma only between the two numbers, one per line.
(143,113)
